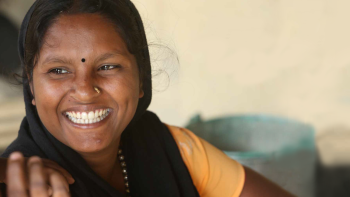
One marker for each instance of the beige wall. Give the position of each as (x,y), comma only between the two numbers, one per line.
(281,57)
(15,9)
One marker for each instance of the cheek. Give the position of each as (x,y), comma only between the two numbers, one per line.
(124,87)
(46,92)
(48,95)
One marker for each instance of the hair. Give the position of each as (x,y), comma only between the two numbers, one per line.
(118,12)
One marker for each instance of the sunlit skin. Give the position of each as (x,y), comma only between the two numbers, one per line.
(108,65)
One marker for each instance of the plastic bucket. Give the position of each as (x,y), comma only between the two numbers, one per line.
(282,150)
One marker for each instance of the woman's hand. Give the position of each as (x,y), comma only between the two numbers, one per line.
(41,177)
(48,165)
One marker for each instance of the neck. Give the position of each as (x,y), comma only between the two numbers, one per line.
(103,162)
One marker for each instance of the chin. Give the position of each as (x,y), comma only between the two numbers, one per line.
(90,142)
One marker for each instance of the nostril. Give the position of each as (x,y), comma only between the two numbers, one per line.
(85,93)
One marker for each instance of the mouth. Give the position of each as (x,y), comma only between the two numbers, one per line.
(87,117)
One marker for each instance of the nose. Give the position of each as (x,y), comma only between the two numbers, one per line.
(85,89)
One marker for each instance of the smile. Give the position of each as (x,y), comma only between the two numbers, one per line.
(90,117)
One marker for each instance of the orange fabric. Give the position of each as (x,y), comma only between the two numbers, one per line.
(213,173)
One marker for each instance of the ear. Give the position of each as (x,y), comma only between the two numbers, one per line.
(141,93)
(31,89)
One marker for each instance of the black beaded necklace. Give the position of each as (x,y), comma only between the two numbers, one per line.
(122,162)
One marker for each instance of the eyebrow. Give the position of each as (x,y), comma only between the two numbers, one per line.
(107,56)
(56,59)
(63,60)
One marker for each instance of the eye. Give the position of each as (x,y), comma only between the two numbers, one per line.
(108,67)
(58,71)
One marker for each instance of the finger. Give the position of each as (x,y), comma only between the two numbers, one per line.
(15,175)
(55,166)
(37,180)
(51,171)
(65,174)
(49,190)
(59,185)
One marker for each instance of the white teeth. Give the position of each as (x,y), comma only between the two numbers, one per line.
(84,115)
(87,117)
(91,115)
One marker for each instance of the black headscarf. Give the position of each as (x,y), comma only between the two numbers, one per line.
(155,166)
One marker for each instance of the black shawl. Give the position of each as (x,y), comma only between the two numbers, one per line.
(155,166)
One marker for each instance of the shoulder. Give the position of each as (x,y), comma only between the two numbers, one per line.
(213,173)
(187,141)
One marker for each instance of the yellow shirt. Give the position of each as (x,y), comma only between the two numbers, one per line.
(213,173)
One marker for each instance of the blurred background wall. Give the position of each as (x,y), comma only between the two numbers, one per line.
(281,57)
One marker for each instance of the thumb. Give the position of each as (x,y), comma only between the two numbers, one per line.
(66,175)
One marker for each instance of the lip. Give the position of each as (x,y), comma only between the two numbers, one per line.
(86,109)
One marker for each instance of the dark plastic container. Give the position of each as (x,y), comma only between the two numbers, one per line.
(283,150)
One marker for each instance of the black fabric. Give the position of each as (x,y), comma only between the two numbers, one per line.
(9,61)
(154,163)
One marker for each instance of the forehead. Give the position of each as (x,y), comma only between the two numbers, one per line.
(83,33)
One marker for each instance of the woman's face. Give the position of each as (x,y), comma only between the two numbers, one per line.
(81,52)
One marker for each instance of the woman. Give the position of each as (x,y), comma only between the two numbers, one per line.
(87,85)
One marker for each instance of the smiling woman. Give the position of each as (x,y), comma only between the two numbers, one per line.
(63,86)
(87,86)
